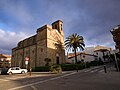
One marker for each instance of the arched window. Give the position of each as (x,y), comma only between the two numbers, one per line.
(55,26)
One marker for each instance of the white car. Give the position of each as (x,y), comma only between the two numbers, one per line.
(15,70)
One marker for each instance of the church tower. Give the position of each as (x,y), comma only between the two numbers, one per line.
(58,25)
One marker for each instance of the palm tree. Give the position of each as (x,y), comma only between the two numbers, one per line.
(47,60)
(74,42)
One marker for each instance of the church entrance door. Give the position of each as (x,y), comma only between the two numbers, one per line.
(57,60)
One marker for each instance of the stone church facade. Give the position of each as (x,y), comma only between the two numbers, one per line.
(47,43)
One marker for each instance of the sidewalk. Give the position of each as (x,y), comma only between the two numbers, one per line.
(110,70)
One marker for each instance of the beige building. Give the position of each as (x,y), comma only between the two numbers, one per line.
(101,52)
(47,43)
(91,54)
(5,60)
(81,56)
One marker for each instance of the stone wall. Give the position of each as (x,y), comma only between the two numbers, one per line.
(47,43)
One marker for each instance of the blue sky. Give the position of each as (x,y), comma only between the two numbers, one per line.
(93,19)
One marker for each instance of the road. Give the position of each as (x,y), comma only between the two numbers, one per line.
(88,79)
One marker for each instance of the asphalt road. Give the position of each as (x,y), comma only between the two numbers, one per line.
(89,79)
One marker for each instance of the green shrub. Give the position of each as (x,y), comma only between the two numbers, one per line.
(41,69)
(56,69)
(81,66)
(68,67)
(87,64)
(47,60)
(96,63)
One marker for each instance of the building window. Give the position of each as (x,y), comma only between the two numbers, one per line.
(41,49)
(32,51)
(96,53)
(83,56)
(55,26)
(61,26)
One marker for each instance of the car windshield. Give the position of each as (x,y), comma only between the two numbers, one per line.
(12,68)
(17,68)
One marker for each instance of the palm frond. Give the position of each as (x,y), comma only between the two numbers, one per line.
(74,41)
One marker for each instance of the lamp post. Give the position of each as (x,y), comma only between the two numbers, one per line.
(116,62)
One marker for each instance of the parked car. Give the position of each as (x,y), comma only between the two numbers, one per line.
(3,70)
(15,70)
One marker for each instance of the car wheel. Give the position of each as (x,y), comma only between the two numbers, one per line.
(10,73)
(23,72)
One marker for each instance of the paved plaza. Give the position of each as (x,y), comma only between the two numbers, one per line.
(93,78)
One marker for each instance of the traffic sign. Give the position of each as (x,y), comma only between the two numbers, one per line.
(27,59)
(26,62)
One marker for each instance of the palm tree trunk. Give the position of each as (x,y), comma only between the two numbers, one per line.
(76,60)
(104,55)
(75,57)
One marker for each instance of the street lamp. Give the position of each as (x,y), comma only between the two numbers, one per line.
(116,61)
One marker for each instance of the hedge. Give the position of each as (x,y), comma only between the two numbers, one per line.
(68,67)
(41,69)
(96,63)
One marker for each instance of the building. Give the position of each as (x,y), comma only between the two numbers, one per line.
(47,43)
(90,54)
(116,36)
(5,60)
(81,56)
(103,53)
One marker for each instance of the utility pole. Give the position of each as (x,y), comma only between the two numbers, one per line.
(116,61)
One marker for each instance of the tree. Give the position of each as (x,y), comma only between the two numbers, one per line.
(47,60)
(74,42)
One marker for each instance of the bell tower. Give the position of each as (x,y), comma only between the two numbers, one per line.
(57,25)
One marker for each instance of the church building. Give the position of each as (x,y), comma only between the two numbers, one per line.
(47,43)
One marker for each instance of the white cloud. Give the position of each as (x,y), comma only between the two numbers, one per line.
(9,39)
(78,17)
(104,40)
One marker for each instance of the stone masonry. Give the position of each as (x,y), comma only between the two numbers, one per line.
(47,43)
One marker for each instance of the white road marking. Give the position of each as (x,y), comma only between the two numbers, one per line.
(87,70)
(101,71)
(95,70)
(15,78)
(41,81)
(4,80)
(34,88)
